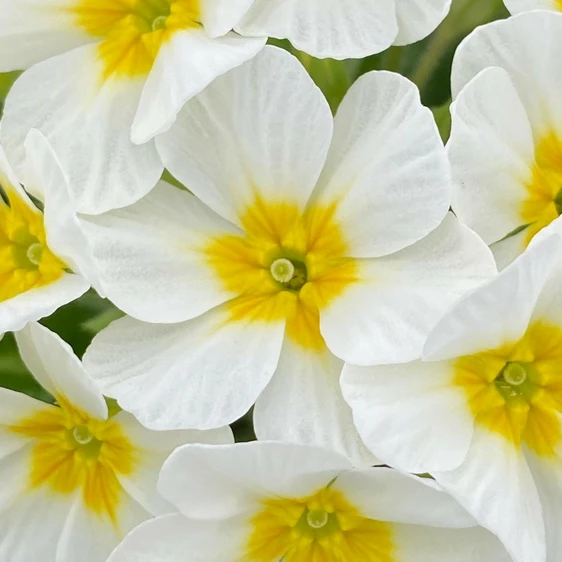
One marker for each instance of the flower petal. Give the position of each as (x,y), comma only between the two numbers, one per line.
(38,303)
(303,404)
(53,363)
(262,130)
(387,168)
(524,46)
(385,317)
(185,65)
(411,415)
(105,169)
(202,374)
(149,255)
(325,28)
(220,16)
(418,18)
(216,482)
(491,150)
(36,30)
(495,485)
(169,538)
(487,318)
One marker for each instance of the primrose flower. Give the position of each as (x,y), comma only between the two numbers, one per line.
(104,76)
(44,256)
(482,411)
(329,28)
(267,501)
(506,140)
(286,260)
(75,478)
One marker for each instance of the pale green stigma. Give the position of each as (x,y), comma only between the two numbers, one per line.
(514,374)
(35,253)
(282,270)
(82,435)
(317,518)
(159,23)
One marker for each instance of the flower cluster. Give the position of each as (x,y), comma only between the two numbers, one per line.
(387,307)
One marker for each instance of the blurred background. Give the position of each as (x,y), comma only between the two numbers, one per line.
(427,63)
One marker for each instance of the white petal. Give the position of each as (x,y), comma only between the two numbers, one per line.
(200,374)
(105,169)
(491,150)
(525,46)
(495,485)
(411,416)
(35,30)
(387,168)
(14,469)
(220,16)
(517,6)
(325,28)
(152,449)
(31,526)
(387,315)
(89,538)
(172,537)
(497,312)
(215,482)
(65,238)
(185,65)
(149,255)
(15,407)
(547,474)
(37,303)
(421,544)
(262,129)
(418,18)
(386,495)
(303,404)
(53,363)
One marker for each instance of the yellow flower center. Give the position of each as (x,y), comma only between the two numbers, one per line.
(544,199)
(26,261)
(516,390)
(133,31)
(322,527)
(72,451)
(288,264)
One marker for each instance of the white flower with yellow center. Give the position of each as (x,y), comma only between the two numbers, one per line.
(75,477)
(483,411)
(105,76)
(267,501)
(342,30)
(44,257)
(296,249)
(506,141)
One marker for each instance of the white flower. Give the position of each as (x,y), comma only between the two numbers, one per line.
(482,412)
(517,6)
(354,222)
(341,30)
(44,256)
(267,501)
(506,140)
(105,76)
(74,479)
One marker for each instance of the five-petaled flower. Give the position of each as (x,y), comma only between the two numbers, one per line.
(76,477)
(299,249)
(268,501)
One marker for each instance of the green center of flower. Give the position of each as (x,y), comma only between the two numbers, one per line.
(83,441)
(317,518)
(290,273)
(35,253)
(317,523)
(27,251)
(514,381)
(151,15)
(558,202)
